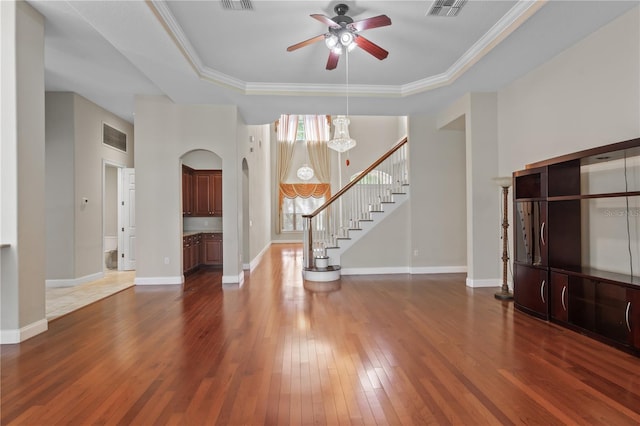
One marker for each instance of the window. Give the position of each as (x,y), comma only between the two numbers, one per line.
(374,177)
(294,208)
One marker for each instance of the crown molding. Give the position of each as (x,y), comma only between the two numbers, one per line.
(511,21)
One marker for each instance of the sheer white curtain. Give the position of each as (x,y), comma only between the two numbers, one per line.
(316,132)
(287,129)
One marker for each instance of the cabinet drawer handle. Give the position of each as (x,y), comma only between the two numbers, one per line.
(542,234)
(564,292)
(542,291)
(626,316)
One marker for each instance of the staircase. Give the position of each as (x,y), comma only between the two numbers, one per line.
(352,212)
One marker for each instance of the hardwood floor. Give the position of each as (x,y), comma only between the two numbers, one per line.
(393,349)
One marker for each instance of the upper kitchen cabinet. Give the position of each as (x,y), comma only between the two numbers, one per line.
(207,193)
(187,191)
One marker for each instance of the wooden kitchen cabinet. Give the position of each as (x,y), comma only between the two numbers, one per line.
(207,193)
(187,191)
(212,249)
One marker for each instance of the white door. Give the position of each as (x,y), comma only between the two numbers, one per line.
(127,216)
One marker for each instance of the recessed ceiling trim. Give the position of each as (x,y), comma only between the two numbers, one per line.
(173,28)
(299,89)
(513,19)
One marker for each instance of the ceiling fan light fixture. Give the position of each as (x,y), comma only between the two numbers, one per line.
(341,141)
(346,37)
(331,41)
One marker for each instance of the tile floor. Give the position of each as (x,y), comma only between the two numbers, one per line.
(62,300)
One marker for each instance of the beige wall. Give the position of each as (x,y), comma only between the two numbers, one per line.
(60,185)
(165,131)
(587,96)
(374,136)
(23,159)
(259,161)
(438,201)
(76,158)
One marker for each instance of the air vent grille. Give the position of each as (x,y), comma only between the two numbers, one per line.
(114,138)
(236,4)
(446,8)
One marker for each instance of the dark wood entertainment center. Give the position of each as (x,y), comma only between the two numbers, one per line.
(560,212)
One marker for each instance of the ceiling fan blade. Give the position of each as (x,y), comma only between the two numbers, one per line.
(332,62)
(325,20)
(370,47)
(305,43)
(366,24)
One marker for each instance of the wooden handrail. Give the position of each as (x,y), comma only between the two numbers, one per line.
(360,177)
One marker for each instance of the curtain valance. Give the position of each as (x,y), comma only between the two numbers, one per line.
(304,190)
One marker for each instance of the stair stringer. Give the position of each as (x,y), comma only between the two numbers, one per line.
(365,226)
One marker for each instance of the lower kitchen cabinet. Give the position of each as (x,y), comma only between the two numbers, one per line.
(212,249)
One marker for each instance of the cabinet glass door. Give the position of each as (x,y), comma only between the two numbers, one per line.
(530,232)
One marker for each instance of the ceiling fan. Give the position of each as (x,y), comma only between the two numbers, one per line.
(343,34)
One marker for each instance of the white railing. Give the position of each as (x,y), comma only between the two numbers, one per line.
(355,202)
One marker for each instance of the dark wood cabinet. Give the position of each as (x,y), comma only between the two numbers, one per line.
(188,255)
(207,193)
(531,290)
(187,191)
(217,193)
(201,249)
(212,249)
(558,213)
(559,296)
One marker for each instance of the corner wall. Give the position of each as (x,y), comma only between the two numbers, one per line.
(164,131)
(75,157)
(22,223)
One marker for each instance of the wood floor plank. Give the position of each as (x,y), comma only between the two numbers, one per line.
(381,349)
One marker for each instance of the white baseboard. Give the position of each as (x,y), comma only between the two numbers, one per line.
(256,260)
(405,270)
(233,279)
(20,335)
(74,281)
(159,280)
(492,282)
(439,270)
(376,271)
(285,241)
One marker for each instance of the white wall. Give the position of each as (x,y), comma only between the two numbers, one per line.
(165,131)
(23,159)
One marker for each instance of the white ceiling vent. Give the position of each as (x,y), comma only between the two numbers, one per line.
(446,7)
(236,4)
